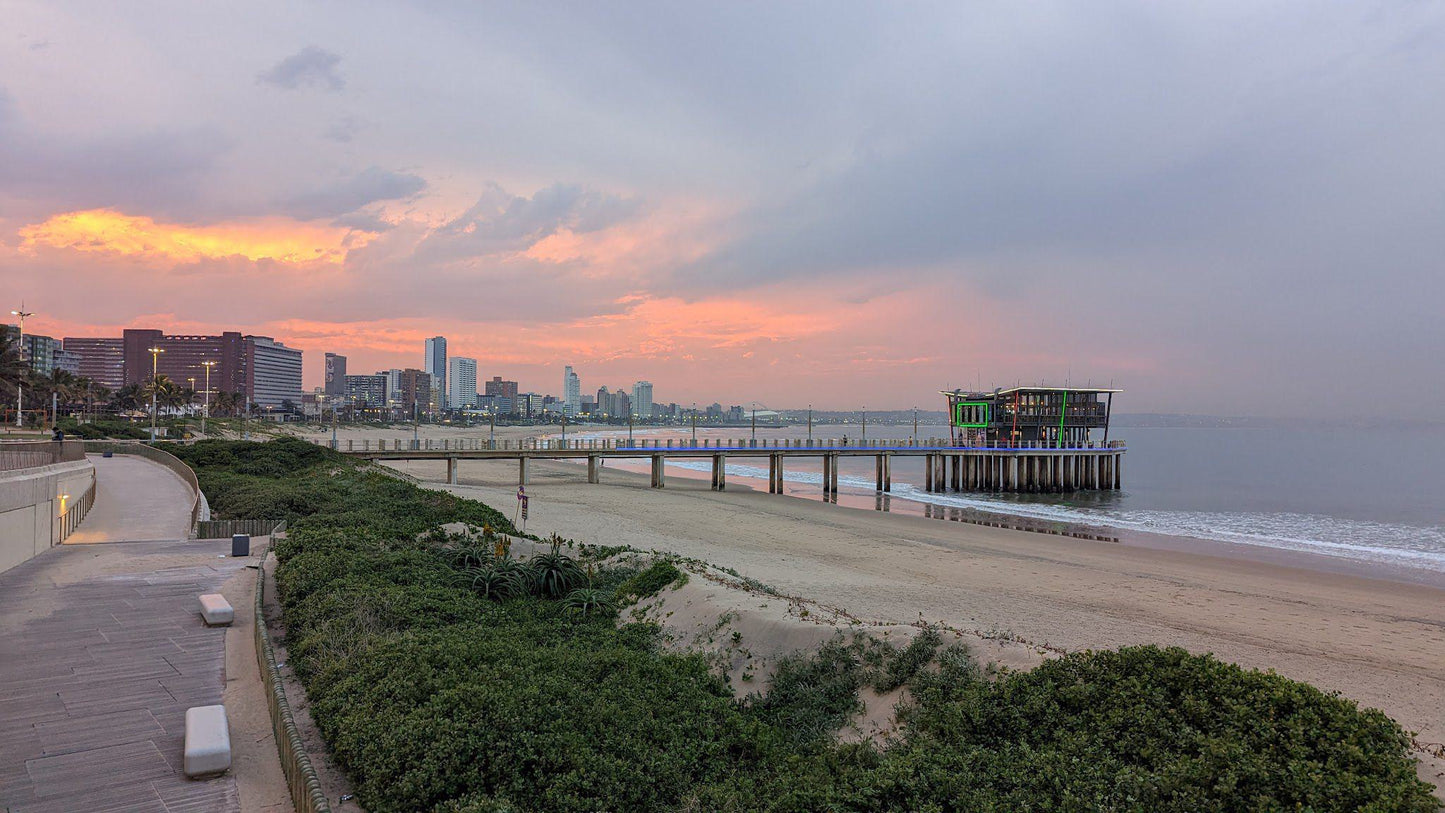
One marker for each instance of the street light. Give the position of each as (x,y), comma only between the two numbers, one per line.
(864,441)
(810,424)
(694,423)
(755,423)
(155,379)
(207,413)
(20,381)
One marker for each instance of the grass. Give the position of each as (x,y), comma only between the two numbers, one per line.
(435,694)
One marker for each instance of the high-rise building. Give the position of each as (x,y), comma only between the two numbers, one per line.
(100,360)
(504,394)
(393,386)
(642,399)
(273,373)
(335,374)
(571,392)
(413,393)
(263,370)
(435,363)
(366,391)
(461,382)
(39,351)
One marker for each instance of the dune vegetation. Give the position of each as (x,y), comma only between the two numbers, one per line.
(449,672)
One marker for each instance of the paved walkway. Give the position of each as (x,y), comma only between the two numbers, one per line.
(135,499)
(102,650)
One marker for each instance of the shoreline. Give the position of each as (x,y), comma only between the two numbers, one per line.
(1378,642)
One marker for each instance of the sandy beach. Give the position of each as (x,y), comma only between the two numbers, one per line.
(1378,642)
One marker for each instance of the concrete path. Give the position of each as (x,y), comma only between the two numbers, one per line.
(135,500)
(102,650)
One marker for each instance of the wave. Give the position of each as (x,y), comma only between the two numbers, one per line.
(1360,540)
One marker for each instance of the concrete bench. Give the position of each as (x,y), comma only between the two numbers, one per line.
(216,610)
(208,741)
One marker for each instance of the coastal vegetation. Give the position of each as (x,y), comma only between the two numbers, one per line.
(463,671)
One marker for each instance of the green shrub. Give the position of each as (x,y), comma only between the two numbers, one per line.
(649,581)
(435,697)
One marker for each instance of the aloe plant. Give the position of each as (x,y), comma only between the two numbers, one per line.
(500,580)
(587,601)
(555,574)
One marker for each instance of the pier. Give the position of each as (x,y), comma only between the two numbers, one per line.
(993,467)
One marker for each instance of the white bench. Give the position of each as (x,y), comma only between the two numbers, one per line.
(216,610)
(208,741)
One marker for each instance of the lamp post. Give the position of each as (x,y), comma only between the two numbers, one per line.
(207,413)
(630,416)
(755,423)
(20,382)
(810,424)
(155,379)
(190,403)
(694,423)
(915,426)
(864,441)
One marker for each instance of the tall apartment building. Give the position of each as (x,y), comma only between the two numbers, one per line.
(642,399)
(435,364)
(413,392)
(504,395)
(100,360)
(571,392)
(461,382)
(335,374)
(39,351)
(273,373)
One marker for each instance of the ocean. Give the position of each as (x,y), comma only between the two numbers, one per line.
(1367,496)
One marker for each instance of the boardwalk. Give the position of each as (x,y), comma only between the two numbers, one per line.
(135,500)
(101,653)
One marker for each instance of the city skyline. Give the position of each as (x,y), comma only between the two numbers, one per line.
(789,203)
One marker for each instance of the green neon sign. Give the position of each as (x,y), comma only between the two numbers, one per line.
(961,416)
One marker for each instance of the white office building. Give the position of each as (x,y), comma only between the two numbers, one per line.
(461,382)
(435,363)
(571,392)
(642,400)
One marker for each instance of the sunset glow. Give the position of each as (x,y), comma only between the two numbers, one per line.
(110,232)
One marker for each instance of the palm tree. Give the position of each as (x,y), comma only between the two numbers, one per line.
(130,398)
(224,403)
(12,367)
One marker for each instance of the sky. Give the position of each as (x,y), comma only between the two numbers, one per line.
(1224,207)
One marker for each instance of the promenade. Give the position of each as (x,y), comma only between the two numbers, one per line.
(102,651)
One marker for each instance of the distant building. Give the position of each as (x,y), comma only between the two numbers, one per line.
(264,371)
(100,360)
(413,392)
(642,400)
(335,374)
(367,391)
(571,392)
(435,363)
(504,394)
(587,405)
(461,383)
(273,373)
(530,404)
(39,351)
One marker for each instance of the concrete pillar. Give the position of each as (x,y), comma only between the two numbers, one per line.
(657,471)
(1118,477)
(521,471)
(722,472)
(593,474)
(834,471)
(827,474)
(955,466)
(452,465)
(928,473)
(878,473)
(780,474)
(888,472)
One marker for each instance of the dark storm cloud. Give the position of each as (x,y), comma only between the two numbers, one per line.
(311,67)
(372,185)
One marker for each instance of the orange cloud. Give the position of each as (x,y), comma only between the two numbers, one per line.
(110,232)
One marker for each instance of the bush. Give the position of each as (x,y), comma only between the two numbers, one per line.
(437,696)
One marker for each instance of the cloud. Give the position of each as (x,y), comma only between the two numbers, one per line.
(371,185)
(501,222)
(311,67)
(105,231)
(343,130)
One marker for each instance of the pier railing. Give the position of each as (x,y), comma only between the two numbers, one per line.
(663,444)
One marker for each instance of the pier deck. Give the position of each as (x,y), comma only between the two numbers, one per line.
(989,468)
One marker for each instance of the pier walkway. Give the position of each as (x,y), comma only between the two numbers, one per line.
(993,468)
(102,651)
